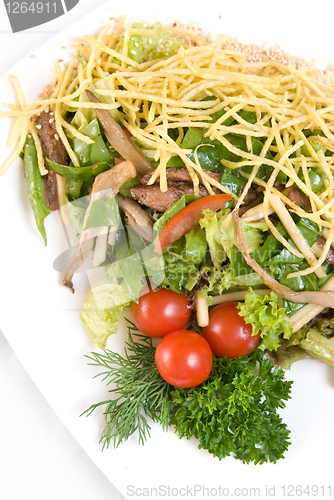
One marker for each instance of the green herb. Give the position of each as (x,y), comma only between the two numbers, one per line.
(235,410)
(140,391)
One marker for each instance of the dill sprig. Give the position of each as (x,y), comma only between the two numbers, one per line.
(140,391)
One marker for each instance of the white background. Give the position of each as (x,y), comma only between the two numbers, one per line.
(39,459)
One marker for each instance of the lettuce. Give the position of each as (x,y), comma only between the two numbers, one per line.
(262,312)
(318,346)
(250,230)
(150,47)
(306,343)
(84,116)
(218,280)
(99,310)
(221,238)
(211,223)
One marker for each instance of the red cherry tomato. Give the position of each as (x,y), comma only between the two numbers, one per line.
(183,358)
(161,312)
(227,332)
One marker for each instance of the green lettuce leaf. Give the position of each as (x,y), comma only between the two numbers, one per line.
(221,238)
(263,313)
(103,213)
(306,343)
(318,346)
(211,222)
(99,310)
(150,47)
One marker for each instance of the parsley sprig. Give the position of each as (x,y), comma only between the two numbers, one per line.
(234,412)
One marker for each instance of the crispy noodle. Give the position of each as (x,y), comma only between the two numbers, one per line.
(289,95)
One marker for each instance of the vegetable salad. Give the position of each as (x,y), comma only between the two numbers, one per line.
(198,174)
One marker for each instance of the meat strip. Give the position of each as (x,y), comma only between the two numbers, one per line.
(330,256)
(253,193)
(180,175)
(54,150)
(300,199)
(153,197)
(178,182)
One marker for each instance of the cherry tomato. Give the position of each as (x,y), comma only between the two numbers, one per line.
(160,312)
(227,332)
(183,358)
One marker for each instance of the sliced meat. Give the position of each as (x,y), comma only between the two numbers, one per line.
(180,175)
(300,199)
(277,185)
(178,182)
(153,197)
(330,256)
(251,195)
(54,150)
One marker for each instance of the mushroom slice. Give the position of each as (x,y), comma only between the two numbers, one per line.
(106,185)
(136,217)
(119,139)
(325,299)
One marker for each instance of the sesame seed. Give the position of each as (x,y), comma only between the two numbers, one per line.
(133,52)
(51,120)
(150,41)
(38,126)
(57,137)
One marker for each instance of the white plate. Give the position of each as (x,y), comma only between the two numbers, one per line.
(40,318)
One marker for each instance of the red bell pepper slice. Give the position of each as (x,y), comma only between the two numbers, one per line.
(187,218)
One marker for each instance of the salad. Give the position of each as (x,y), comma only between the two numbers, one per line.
(196,175)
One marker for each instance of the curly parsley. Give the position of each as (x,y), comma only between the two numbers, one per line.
(234,412)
